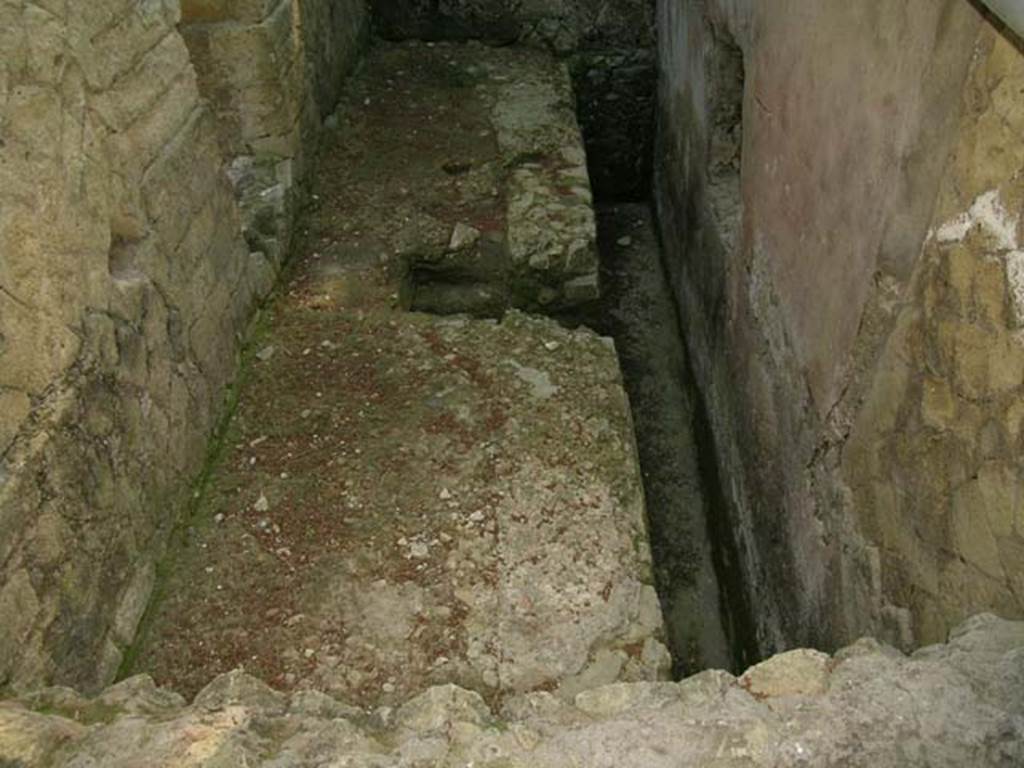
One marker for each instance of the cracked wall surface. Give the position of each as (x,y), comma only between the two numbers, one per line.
(860,373)
(124,285)
(934,457)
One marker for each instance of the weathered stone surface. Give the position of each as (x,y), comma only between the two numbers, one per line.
(446,530)
(457,537)
(794,673)
(951,705)
(123,284)
(958,464)
(273,70)
(611,49)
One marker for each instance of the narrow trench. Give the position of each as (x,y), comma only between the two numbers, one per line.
(700,593)
(704,602)
(270,578)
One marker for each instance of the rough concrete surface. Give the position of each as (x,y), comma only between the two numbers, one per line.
(868,706)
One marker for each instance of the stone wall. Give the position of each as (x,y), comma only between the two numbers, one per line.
(123,284)
(272,70)
(611,46)
(860,374)
(934,458)
(127,276)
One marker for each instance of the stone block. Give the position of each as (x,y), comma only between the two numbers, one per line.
(253,73)
(972,535)
(938,403)
(984,362)
(794,673)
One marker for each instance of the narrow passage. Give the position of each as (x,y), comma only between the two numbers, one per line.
(408,499)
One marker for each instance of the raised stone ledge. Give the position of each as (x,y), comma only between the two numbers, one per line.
(518,227)
(956,704)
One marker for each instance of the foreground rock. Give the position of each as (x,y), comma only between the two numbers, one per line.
(412,500)
(960,704)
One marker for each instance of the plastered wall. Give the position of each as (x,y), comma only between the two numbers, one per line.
(800,245)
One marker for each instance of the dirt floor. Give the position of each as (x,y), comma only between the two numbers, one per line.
(406,499)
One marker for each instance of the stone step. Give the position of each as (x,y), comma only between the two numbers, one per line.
(466,164)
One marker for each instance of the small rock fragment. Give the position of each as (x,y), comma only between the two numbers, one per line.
(419,550)
(801,672)
(463,236)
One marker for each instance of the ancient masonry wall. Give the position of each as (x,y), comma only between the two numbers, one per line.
(611,51)
(272,71)
(843,235)
(125,283)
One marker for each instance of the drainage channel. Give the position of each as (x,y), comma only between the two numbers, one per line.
(698,596)
(703,598)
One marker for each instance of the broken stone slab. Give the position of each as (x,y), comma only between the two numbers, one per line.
(494,553)
(959,704)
